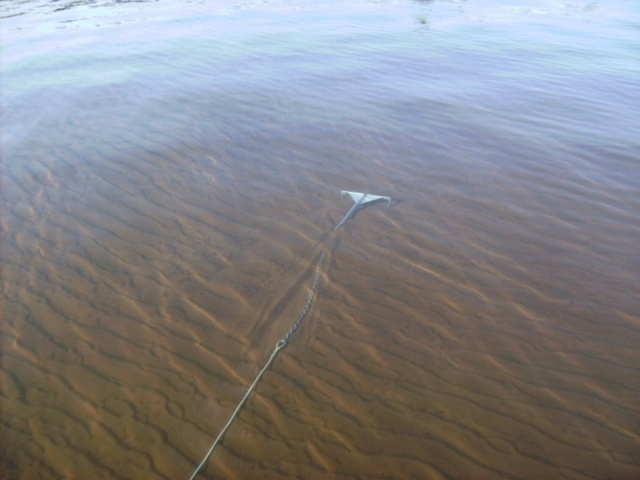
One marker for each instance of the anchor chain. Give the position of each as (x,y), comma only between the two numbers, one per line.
(279,346)
(359,199)
(284,340)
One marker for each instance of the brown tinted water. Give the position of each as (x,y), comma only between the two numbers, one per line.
(170,175)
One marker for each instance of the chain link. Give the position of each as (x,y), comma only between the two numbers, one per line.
(284,340)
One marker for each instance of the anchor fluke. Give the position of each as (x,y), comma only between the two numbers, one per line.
(359,199)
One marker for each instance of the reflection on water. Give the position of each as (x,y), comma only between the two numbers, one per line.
(171,172)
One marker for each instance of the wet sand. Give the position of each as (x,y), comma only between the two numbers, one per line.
(485,326)
(141,302)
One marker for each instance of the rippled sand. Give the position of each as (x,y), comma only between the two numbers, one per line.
(485,326)
(140,302)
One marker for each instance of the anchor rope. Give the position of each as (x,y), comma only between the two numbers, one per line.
(279,346)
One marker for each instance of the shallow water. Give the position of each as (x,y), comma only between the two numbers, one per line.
(170,175)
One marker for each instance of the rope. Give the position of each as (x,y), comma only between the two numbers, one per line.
(279,346)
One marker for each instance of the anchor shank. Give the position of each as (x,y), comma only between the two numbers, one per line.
(351,210)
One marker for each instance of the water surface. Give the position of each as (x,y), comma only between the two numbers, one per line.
(170,174)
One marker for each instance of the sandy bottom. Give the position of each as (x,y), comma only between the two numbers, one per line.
(452,335)
(171,174)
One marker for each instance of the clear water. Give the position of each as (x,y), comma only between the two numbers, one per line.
(171,171)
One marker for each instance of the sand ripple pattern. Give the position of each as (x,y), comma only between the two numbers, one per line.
(159,237)
(139,302)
